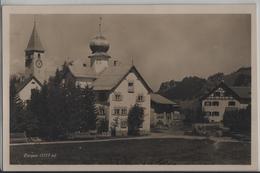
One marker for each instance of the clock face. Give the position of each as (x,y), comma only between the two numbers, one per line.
(38,63)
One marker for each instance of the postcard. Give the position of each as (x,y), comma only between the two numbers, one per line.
(130,87)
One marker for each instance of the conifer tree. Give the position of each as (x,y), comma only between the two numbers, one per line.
(88,111)
(135,119)
(56,107)
(16,108)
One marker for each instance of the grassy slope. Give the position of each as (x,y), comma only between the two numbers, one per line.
(146,151)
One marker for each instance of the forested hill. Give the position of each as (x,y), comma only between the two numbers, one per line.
(193,87)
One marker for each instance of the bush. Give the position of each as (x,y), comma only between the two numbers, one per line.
(102,125)
(135,120)
(238,120)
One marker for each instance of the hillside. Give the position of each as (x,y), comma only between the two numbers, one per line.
(191,88)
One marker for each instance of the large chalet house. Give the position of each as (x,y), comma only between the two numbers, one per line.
(117,86)
(223,98)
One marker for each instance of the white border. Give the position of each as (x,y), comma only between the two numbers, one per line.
(129,9)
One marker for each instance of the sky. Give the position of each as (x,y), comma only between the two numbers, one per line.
(163,47)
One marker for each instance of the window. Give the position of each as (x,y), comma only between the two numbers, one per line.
(123,124)
(217,94)
(120,111)
(84,65)
(130,86)
(140,98)
(231,103)
(117,96)
(168,116)
(115,63)
(101,110)
(33,82)
(123,111)
(215,103)
(207,103)
(116,111)
(141,125)
(98,61)
(39,55)
(215,113)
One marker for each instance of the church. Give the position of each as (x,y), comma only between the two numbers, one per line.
(117,86)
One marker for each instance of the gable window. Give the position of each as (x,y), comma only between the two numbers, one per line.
(217,94)
(140,98)
(231,103)
(215,113)
(207,103)
(33,82)
(130,86)
(215,103)
(117,96)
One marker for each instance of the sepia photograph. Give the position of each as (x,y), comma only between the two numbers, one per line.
(139,88)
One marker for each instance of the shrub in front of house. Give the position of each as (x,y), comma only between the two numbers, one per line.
(135,120)
(238,120)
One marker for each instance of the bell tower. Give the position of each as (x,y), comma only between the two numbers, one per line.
(99,47)
(34,56)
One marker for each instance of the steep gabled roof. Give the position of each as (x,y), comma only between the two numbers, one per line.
(34,43)
(81,69)
(110,77)
(114,75)
(26,81)
(236,92)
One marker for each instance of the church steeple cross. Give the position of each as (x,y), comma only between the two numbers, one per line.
(100,23)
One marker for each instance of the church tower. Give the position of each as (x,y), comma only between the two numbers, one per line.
(99,47)
(34,56)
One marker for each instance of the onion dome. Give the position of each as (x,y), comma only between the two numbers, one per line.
(99,44)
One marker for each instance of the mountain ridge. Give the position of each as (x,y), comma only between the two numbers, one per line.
(193,87)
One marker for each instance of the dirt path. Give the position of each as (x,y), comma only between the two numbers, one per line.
(152,136)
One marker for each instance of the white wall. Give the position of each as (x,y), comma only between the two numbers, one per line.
(223,104)
(25,93)
(100,65)
(129,99)
(39,73)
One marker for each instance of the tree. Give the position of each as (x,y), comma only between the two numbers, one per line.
(17,115)
(238,120)
(135,120)
(242,80)
(17,111)
(37,110)
(102,125)
(88,111)
(56,107)
(114,125)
